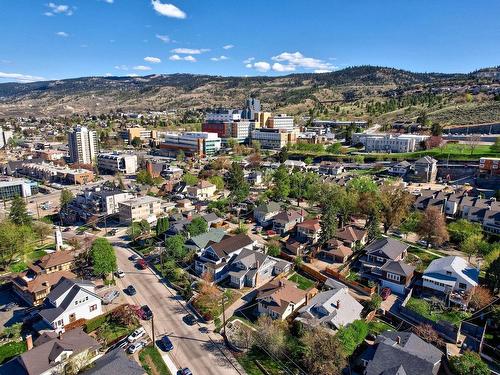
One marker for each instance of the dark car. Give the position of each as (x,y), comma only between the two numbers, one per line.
(141,264)
(166,343)
(189,319)
(146,312)
(185,371)
(9,306)
(131,290)
(386,292)
(133,258)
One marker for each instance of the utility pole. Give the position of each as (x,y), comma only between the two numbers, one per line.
(153,327)
(105,225)
(223,317)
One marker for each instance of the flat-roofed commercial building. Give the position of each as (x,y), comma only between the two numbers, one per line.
(117,163)
(389,142)
(281,122)
(17,187)
(141,208)
(142,133)
(53,173)
(270,138)
(191,143)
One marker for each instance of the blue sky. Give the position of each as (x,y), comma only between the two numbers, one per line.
(73,38)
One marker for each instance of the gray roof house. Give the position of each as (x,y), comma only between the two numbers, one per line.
(263,213)
(115,362)
(200,241)
(401,353)
(51,352)
(250,268)
(333,308)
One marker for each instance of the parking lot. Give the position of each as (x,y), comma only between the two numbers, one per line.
(16,315)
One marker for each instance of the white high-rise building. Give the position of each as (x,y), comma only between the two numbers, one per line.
(5,135)
(83,146)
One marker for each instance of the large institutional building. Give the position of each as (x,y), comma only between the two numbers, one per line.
(83,146)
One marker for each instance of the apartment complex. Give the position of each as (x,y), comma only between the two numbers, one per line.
(83,146)
(389,142)
(282,122)
(53,173)
(191,143)
(141,208)
(17,187)
(273,138)
(117,163)
(142,133)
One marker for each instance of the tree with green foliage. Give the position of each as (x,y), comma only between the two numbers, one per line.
(281,180)
(273,248)
(352,335)
(15,241)
(334,148)
(241,229)
(144,177)
(411,223)
(496,145)
(328,222)
(190,179)
(18,213)
(436,129)
(304,185)
(136,142)
(237,183)
(283,154)
(174,247)
(395,205)
(162,225)
(42,230)
(66,198)
(232,143)
(197,226)
(375,302)
(308,160)
(470,245)
(469,363)
(121,184)
(461,229)
(493,275)
(218,181)
(138,229)
(103,257)
(181,156)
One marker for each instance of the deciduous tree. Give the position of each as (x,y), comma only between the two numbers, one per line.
(103,257)
(469,363)
(395,203)
(480,297)
(322,352)
(429,334)
(432,226)
(197,226)
(15,240)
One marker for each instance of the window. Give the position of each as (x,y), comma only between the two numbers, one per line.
(462,286)
(93,308)
(60,322)
(448,273)
(392,276)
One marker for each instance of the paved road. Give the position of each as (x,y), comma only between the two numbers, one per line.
(192,348)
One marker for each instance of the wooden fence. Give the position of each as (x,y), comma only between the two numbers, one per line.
(353,284)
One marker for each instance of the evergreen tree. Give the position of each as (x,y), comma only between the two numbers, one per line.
(237,183)
(18,213)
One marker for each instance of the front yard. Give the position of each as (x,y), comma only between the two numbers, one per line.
(250,360)
(11,350)
(419,258)
(152,362)
(301,281)
(425,309)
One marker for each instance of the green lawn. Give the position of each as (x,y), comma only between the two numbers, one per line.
(11,350)
(302,282)
(248,362)
(423,308)
(424,257)
(150,356)
(110,331)
(377,326)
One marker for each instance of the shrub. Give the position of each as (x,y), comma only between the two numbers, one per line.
(352,335)
(95,323)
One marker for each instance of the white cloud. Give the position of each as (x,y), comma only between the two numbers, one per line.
(58,9)
(322,71)
(153,60)
(163,38)
(121,67)
(109,1)
(228,46)
(108,75)
(277,67)
(297,59)
(180,58)
(133,75)
(62,34)
(249,65)
(189,51)
(168,10)
(249,60)
(220,58)
(141,67)
(262,66)
(20,77)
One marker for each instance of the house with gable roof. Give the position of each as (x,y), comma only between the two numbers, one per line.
(286,220)
(280,298)
(451,273)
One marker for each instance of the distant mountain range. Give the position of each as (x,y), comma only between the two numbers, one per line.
(293,93)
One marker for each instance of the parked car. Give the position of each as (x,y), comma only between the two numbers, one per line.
(424,243)
(141,264)
(385,293)
(120,274)
(9,306)
(136,335)
(185,371)
(145,312)
(136,347)
(131,290)
(110,296)
(133,257)
(166,343)
(189,319)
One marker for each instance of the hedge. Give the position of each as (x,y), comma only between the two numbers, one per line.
(95,323)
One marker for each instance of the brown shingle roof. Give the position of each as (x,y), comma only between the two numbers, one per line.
(42,281)
(282,293)
(55,259)
(230,244)
(350,234)
(312,224)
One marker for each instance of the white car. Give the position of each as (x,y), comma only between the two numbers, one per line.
(136,335)
(136,346)
(120,274)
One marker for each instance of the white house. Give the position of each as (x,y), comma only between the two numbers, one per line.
(70,301)
(202,190)
(450,273)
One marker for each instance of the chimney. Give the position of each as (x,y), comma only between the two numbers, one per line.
(29,342)
(338,304)
(398,340)
(281,283)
